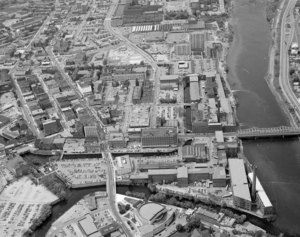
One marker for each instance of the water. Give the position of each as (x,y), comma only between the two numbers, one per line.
(73,196)
(278,161)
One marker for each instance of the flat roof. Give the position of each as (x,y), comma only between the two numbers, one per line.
(159,132)
(239,182)
(169,77)
(88,225)
(194,91)
(182,172)
(149,210)
(162,171)
(219,173)
(261,192)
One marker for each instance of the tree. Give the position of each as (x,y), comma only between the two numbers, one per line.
(127,207)
(179,228)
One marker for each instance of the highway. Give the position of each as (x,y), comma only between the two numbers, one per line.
(285,43)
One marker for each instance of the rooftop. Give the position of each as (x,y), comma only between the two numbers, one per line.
(261,192)
(149,210)
(239,181)
(159,132)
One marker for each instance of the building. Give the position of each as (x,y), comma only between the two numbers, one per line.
(182,176)
(159,137)
(239,184)
(262,200)
(87,225)
(137,94)
(182,49)
(198,174)
(169,82)
(219,177)
(84,87)
(117,140)
(197,40)
(140,117)
(90,131)
(50,127)
(195,153)
(194,89)
(155,218)
(123,165)
(162,175)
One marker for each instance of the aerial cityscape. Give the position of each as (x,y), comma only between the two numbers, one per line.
(141,118)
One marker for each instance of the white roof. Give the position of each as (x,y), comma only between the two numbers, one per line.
(239,181)
(261,192)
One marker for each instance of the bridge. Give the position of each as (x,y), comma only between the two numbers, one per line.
(250,133)
(282,131)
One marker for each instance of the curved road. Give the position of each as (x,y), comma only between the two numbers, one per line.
(284,58)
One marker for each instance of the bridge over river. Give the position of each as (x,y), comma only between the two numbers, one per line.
(282,131)
(252,133)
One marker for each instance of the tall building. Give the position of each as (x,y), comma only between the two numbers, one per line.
(197,40)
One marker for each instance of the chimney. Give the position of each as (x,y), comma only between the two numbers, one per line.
(253,190)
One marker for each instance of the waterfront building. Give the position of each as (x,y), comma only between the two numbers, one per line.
(239,184)
(155,218)
(262,200)
(123,164)
(162,175)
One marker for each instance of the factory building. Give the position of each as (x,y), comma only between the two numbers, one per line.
(90,131)
(197,40)
(182,49)
(159,137)
(262,200)
(239,184)
(169,82)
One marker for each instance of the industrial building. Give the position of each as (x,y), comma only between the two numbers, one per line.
(239,184)
(197,40)
(90,131)
(169,82)
(117,140)
(195,153)
(182,49)
(159,137)
(261,199)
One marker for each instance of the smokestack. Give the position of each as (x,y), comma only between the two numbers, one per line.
(253,191)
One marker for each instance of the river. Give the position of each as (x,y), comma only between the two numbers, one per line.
(73,196)
(278,161)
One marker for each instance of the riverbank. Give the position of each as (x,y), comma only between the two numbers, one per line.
(272,76)
(277,160)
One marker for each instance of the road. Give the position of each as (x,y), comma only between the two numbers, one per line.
(111,184)
(285,43)
(148,58)
(25,109)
